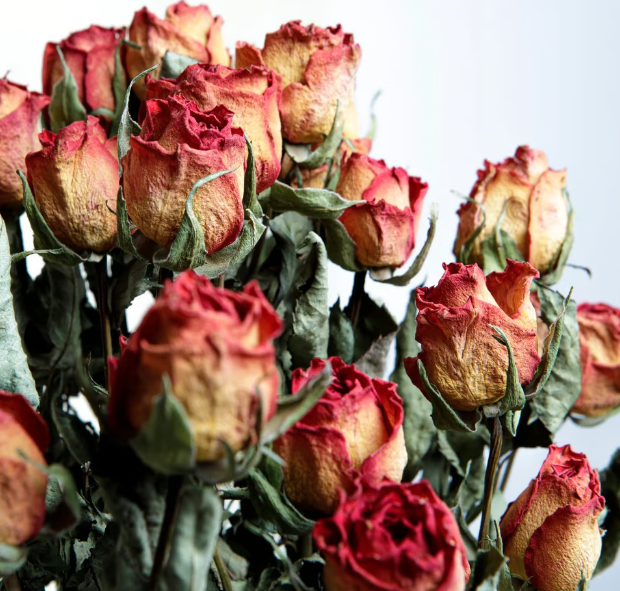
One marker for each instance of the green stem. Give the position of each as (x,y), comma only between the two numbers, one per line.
(305,547)
(508,470)
(489,482)
(357,295)
(104,315)
(222,570)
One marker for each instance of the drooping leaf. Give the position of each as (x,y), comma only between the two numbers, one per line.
(340,246)
(341,335)
(173,64)
(490,572)
(196,530)
(128,282)
(79,437)
(166,441)
(64,510)
(15,375)
(418,425)
(314,203)
(65,107)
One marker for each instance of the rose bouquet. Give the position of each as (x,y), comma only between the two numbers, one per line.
(246,435)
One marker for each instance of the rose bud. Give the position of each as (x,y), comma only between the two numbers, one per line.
(318,69)
(385,227)
(550,533)
(536,208)
(90,57)
(73,178)
(355,428)
(392,537)
(253,95)
(179,144)
(216,347)
(599,356)
(23,434)
(187,30)
(459,353)
(20,112)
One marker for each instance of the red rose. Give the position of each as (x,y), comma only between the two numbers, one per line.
(73,178)
(216,347)
(178,145)
(355,428)
(384,228)
(394,537)
(90,57)
(318,69)
(550,533)
(536,215)
(253,95)
(459,353)
(599,355)
(20,112)
(22,503)
(188,30)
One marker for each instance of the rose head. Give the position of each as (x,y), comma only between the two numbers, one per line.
(216,347)
(383,228)
(90,57)
(355,428)
(599,355)
(20,112)
(253,95)
(550,533)
(179,144)
(318,69)
(73,178)
(392,537)
(459,353)
(536,214)
(22,503)
(188,30)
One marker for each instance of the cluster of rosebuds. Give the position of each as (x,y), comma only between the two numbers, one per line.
(245,436)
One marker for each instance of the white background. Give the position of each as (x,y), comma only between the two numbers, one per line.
(460,82)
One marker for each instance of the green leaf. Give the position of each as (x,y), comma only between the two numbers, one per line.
(418,425)
(12,558)
(64,510)
(44,238)
(557,391)
(173,64)
(188,249)
(373,361)
(65,107)
(325,151)
(555,274)
(127,285)
(166,441)
(340,246)
(271,503)
(196,530)
(124,238)
(119,87)
(444,416)
(292,409)
(610,489)
(15,374)
(250,199)
(489,572)
(341,335)
(314,203)
(416,266)
(310,334)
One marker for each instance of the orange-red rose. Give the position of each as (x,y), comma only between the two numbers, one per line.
(20,112)
(459,353)
(22,502)
(253,95)
(599,355)
(178,145)
(74,179)
(550,533)
(318,69)
(216,347)
(536,214)
(355,428)
(188,30)
(90,57)
(393,537)
(383,229)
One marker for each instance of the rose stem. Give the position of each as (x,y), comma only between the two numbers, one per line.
(162,276)
(221,280)
(222,570)
(355,303)
(304,545)
(104,316)
(12,583)
(508,470)
(489,482)
(173,497)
